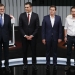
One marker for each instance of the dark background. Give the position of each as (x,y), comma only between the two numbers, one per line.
(53,2)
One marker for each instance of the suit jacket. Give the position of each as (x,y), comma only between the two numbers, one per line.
(5,30)
(48,30)
(30,29)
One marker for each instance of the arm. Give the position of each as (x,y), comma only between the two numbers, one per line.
(20,26)
(37,26)
(65,30)
(43,28)
(9,27)
(43,32)
(36,29)
(60,29)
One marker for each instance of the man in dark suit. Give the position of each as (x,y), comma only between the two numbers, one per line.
(51,34)
(5,32)
(28,24)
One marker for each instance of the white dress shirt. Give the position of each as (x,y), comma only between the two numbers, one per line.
(29,16)
(70,25)
(52,20)
(2,19)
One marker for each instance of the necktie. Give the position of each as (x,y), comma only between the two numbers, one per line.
(1,20)
(28,18)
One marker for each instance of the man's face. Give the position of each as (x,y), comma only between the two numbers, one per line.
(28,8)
(73,12)
(2,10)
(52,11)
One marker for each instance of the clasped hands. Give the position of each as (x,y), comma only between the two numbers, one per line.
(29,37)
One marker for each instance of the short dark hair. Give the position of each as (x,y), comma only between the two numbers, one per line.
(28,3)
(73,7)
(53,6)
(1,5)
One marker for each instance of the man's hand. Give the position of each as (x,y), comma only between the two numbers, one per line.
(59,40)
(65,39)
(30,37)
(27,37)
(44,41)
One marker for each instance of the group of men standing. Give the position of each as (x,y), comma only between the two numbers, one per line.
(28,26)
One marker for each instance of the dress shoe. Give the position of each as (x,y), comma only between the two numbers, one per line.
(34,72)
(7,69)
(67,67)
(34,68)
(25,67)
(48,70)
(54,72)
(1,71)
(47,67)
(54,67)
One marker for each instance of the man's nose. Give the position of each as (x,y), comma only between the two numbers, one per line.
(26,8)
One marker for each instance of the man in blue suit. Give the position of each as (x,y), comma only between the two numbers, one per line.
(51,35)
(5,35)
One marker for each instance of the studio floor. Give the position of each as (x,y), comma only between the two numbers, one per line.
(18,70)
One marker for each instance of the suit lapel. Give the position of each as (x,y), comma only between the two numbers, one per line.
(54,21)
(4,19)
(26,19)
(31,18)
(49,20)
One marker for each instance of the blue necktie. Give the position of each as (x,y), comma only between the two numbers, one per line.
(1,20)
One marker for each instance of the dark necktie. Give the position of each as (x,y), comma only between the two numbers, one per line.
(28,18)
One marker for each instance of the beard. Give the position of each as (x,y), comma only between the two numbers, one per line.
(73,15)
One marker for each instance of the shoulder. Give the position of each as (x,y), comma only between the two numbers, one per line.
(6,15)
(35,14)
(46,16)
(22,14)
(57,16)
(68,18)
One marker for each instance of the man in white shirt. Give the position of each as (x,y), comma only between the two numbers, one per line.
(69,31)
(51,35)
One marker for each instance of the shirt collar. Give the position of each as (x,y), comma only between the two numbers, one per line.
(52,17)
(29,13)
(2,15)
(71,17)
